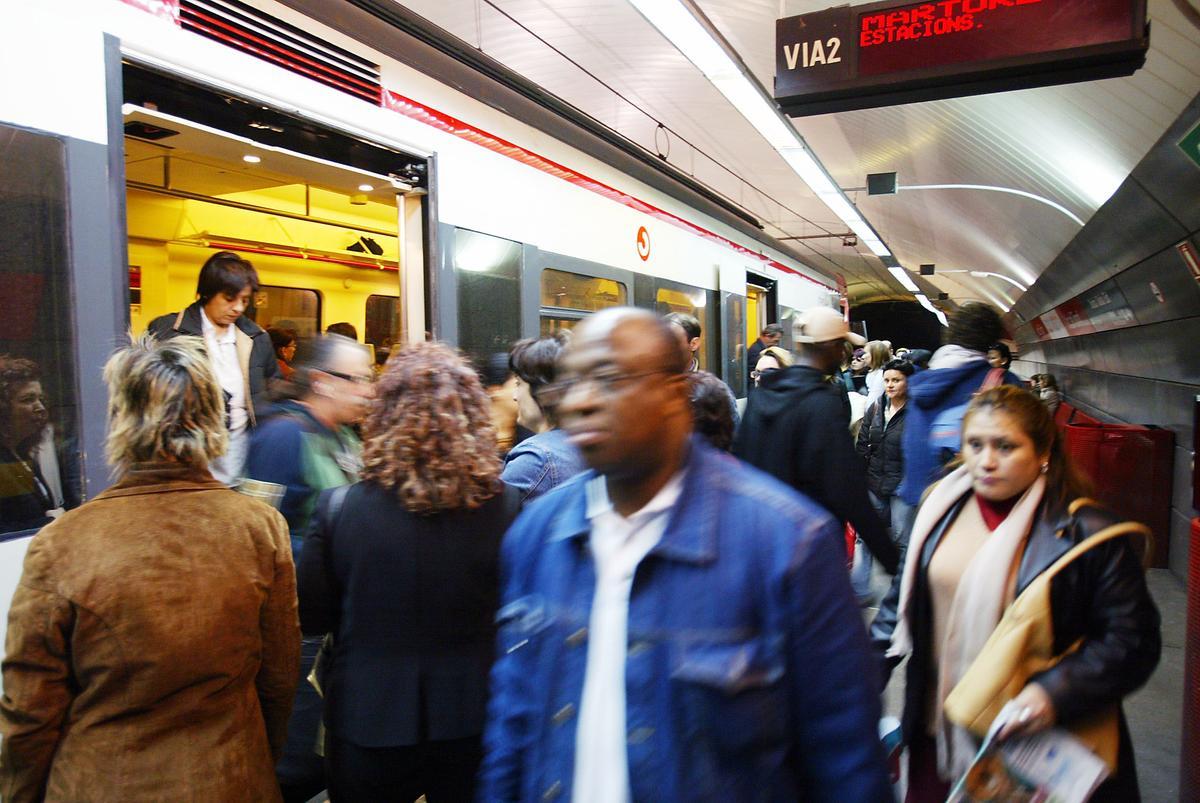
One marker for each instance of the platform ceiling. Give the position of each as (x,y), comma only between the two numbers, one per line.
(1071,144)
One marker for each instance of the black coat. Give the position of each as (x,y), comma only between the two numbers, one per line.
(881,445)
(411,601)
(262,366)
(1100,597)
(797,428)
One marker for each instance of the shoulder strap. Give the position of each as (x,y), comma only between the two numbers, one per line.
(333,508)
(1107,534)
(993,379)
(179,319)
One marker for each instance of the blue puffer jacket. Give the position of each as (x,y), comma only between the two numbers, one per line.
(929,393)
(747,675)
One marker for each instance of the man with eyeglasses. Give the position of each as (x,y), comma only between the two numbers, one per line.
(674,625)
(306,445)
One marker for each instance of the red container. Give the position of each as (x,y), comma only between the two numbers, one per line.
(1062,416)
(1131,468)
(1189,770)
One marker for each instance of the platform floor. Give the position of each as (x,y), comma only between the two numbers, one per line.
(1155,712)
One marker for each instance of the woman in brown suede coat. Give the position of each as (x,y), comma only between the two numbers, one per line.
(153,641)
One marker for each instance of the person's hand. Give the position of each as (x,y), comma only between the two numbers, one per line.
(1032,712)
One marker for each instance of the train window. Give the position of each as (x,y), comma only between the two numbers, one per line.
(567,298)
(39,411)
(787,319)
(294,308)
(735,349)
(489,293)
(671,297)
(383,321)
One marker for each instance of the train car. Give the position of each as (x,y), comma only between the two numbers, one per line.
(370,176)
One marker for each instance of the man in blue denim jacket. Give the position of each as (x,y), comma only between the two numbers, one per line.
(675,625)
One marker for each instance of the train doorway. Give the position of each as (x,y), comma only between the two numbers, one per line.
(333,224)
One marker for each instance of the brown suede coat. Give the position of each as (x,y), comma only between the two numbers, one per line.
(153,648)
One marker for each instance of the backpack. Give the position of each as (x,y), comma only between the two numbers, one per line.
(945,433)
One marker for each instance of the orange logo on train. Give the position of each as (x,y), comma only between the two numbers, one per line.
(643,243)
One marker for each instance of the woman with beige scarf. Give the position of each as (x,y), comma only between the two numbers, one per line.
(982,534)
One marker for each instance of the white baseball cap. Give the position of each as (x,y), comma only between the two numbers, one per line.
(823,324)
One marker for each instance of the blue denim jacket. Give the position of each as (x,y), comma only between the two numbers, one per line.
(538,464)
(748,675)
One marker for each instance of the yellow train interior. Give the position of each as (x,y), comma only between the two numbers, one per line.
(323,238)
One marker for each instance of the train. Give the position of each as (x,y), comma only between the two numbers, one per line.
(374,171)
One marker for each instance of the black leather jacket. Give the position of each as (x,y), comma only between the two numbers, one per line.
(881,444)
(1100,597)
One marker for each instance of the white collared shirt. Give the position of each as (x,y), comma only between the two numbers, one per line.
(222,351)
(618,545)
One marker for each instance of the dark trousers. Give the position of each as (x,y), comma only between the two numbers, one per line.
(924,784)
(443,771)
(301,772)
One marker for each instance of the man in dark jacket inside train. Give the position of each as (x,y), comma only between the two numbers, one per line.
(796,427)
(240,349)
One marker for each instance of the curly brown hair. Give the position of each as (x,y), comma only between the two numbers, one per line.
(429,435)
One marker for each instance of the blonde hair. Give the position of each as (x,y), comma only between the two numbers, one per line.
(879,352)
(164,403)
(782,356)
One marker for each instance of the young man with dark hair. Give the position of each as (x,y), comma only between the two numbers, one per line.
(689,327)
(240,350)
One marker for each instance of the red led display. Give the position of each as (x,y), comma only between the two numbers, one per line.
(886,53)
(923,35)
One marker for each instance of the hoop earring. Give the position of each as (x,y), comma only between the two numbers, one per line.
(1045,467)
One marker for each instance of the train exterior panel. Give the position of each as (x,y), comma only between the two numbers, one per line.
(585,232)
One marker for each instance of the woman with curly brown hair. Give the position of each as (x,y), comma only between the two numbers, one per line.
(403,569)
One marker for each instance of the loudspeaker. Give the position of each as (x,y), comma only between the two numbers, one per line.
(881,183)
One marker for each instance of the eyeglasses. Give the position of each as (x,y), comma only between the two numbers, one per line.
(606,381)
(757,374)
(358,379)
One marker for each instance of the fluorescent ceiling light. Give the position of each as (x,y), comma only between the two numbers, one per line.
(981,274)
(993,188)
(365,188)
(676,21)
(902,276)
(927,304)
(251,158)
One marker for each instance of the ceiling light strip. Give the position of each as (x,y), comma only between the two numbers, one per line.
(991,188)
(679,24)
(927,304)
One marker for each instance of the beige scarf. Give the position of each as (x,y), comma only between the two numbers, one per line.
(978,603)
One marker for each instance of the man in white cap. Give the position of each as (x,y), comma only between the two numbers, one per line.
(796,428)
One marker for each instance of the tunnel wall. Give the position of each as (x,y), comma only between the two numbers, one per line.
(1116,316)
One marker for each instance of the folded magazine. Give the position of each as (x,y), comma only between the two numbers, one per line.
(1049,767)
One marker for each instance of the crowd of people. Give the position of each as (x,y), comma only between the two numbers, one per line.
(582,571)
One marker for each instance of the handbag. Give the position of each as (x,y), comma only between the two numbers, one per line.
(1021,646)
(327,519)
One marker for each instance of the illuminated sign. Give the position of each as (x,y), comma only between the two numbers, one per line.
(886,53)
